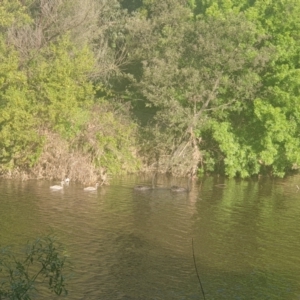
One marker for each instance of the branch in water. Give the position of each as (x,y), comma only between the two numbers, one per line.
(197,271)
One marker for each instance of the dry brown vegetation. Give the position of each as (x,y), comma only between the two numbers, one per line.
(58,162)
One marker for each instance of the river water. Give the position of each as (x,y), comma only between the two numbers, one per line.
(125,244)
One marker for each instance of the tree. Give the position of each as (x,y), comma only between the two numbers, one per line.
(43,259)
(195,70)
(278,105)
(18,139)
(264,136)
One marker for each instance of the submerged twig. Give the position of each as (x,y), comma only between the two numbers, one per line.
(197,271)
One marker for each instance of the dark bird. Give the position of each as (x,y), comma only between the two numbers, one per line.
(180,189)
(145,187)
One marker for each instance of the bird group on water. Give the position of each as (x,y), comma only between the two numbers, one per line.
(173,188)
(67,181)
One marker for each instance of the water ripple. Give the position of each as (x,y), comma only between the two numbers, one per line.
(124,244)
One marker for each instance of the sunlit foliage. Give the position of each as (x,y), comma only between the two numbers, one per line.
(213,85)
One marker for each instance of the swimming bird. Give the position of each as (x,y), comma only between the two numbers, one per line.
(145,187)
(142,188)
(67,180)
(57,187)
(179,189)
(91,188)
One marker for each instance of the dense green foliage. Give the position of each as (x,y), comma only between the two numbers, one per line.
(266,133)
(47,87)
(43,260)
(185,86)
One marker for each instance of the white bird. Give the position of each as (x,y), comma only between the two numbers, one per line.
(91,188)
(67,180)
(57,187)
